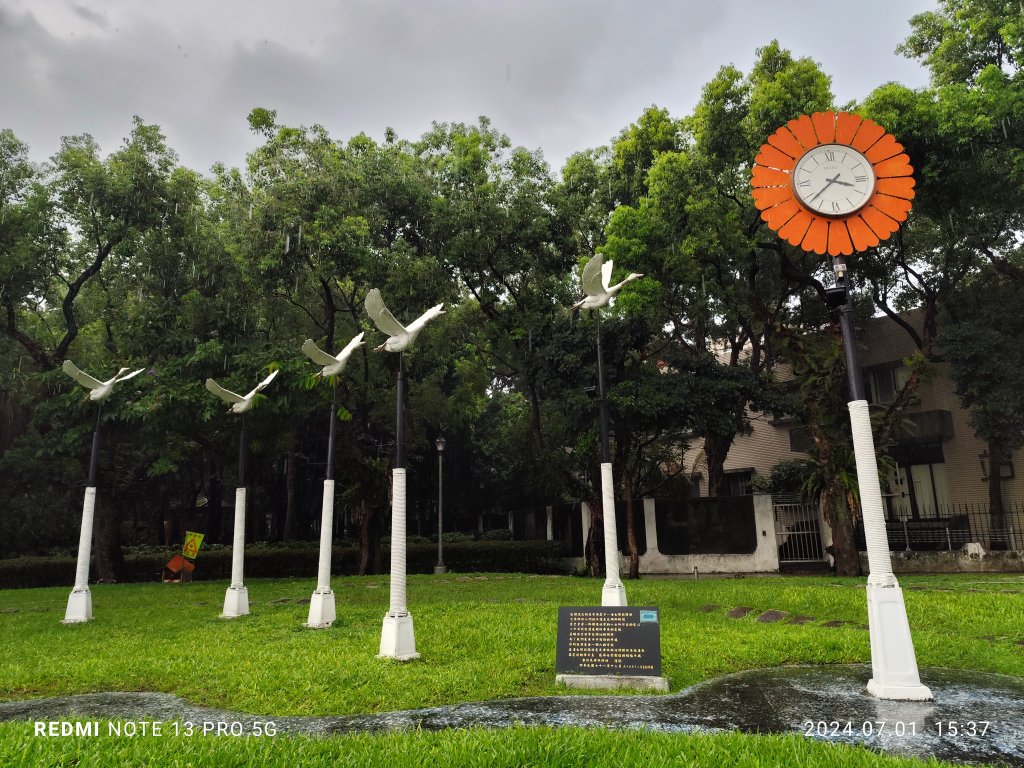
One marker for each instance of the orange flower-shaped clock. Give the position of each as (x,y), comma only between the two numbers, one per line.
(833,183)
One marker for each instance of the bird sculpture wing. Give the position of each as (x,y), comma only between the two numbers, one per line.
(351,346)
(606,274)
(592,277)
(426,317)
(317,355)
(133,373)
(81,376)
(264,383)
(380,315)
(224,394)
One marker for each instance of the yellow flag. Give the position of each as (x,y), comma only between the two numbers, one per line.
(192,543)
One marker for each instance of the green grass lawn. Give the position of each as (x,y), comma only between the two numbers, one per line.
(481,637)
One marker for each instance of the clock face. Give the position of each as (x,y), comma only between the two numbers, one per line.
(833,180)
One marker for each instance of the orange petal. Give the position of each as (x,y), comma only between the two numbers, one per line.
(861,234)
(768,177)
(803,130)
(894,207)
(795,229)
(846,127)
(868,133)
(899,186)
(880,224)
(883,149)
(784,140)
(766,197)
(825,126)
(894,166)
(780,214)
(816,238)
(774,158)
(839,239)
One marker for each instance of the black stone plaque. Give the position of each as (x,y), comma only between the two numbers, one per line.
(608,641)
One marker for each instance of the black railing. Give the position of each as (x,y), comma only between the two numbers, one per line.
(950,527)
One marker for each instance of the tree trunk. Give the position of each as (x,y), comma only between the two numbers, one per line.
(997,534)
(289,511)
(844,543)
(107,541)
(369,539)
(593,550)
(634,552)
(716,449)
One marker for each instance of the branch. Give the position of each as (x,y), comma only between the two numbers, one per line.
(68,305)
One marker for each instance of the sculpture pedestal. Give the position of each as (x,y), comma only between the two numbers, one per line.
(894,672)
(396,638)
(321,610)
(613,594)
(79,607)
(236,602)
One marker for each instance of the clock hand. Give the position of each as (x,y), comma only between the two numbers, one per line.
(830,183)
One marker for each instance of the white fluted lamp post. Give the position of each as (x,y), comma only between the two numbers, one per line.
(322,609)
(397,639)
(894,672)
(236,598)
(440,567)
(79,606)
(599,293)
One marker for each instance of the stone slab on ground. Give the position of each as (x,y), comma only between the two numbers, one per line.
(614,682)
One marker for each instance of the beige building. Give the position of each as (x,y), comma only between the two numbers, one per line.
(941,464)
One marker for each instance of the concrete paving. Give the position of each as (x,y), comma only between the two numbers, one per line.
(976,718)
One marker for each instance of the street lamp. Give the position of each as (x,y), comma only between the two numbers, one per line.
(440,567)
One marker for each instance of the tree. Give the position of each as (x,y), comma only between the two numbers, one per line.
(984,344)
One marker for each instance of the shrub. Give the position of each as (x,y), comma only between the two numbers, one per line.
(298,560)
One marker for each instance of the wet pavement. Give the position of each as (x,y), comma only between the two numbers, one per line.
(976,718)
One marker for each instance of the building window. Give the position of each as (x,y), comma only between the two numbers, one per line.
(882,384)
(1005,469)
(737,482)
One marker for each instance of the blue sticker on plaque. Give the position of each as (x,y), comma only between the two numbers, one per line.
(648,615)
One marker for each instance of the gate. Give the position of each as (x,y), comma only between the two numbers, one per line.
(798,533)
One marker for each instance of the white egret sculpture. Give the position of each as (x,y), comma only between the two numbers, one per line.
(597,277)
(397,640)
(332,365)
(239,403)
(236,599)
(321,605)
(400,336)
(79,607)
(99,390)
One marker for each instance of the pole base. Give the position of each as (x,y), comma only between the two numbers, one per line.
(236,602)
(321,610)
(79,607)
(396,638)
(613,594)
(894,672)
(439,569)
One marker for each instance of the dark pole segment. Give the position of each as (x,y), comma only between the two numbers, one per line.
(242,450)
(400,418)
(856,382)
(606,455)
(95,456)
(330,434)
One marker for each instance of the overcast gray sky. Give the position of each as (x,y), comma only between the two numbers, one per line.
(560,75)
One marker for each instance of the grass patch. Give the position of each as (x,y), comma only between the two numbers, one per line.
(481,637)
(551,748)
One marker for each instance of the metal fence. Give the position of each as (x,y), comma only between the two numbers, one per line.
(950,527)
(797,532)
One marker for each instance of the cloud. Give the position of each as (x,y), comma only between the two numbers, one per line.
(557,76)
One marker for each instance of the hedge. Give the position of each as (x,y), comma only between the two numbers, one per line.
(280,561)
